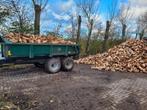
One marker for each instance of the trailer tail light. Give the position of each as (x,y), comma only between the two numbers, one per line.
(9,53)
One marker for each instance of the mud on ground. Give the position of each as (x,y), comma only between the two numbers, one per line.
(30,88)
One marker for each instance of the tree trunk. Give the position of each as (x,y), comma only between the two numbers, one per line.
(136,35)
(106,35)
(37,19)
(73,27)
(79,29)
(20,25)
(141,34)
(124,31)
(89,36)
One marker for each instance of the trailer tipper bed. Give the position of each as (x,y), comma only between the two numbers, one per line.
(51,57)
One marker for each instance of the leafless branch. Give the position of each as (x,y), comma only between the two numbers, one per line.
(112,10)
(45,4)
(33,2)
(124,13)
(41,3)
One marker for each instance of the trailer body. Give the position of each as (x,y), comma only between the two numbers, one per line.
(32,53)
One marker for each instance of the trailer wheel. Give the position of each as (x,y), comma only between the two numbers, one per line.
(67,64)
(53,65)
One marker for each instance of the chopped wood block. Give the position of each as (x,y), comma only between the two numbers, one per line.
(130,56)
(27,38)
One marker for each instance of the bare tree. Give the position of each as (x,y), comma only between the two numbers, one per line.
(57,29)
(142,25)
(98,33)
(123,17)
(89,36)
(79,29)
(73,26)
(18,14)
(39,6)
(137,28)
(4,13)
(89,9)
(111,15)
(76,26)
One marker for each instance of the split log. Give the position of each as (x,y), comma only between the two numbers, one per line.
(27,38)
(130,56)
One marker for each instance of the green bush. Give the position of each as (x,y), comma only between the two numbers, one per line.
(96,46)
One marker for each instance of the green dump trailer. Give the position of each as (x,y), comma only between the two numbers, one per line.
(51,57)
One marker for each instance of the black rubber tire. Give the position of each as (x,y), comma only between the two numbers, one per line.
(39,65)
(53,65)
(67,64)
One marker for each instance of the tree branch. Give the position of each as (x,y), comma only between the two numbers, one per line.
(45,4)
(34,2)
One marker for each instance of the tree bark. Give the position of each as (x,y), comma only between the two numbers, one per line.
(89,36)
(141,34)
(79,29)
(136,36)
(20,24)
(106,37)
(124,26)
(37,19)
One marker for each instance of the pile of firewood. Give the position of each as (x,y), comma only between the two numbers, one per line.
(27,38)
(130,56)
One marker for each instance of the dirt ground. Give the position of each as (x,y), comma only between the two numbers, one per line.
(30,88)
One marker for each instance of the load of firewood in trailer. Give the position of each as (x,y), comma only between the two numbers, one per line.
(130,56)
(28,38)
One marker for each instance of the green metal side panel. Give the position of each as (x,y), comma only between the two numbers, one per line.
(11,50)
(57,50)
(36,50)
(39,50)
(18,50)
(72,50)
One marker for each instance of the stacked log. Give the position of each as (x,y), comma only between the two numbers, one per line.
(130,56)
(28,38)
